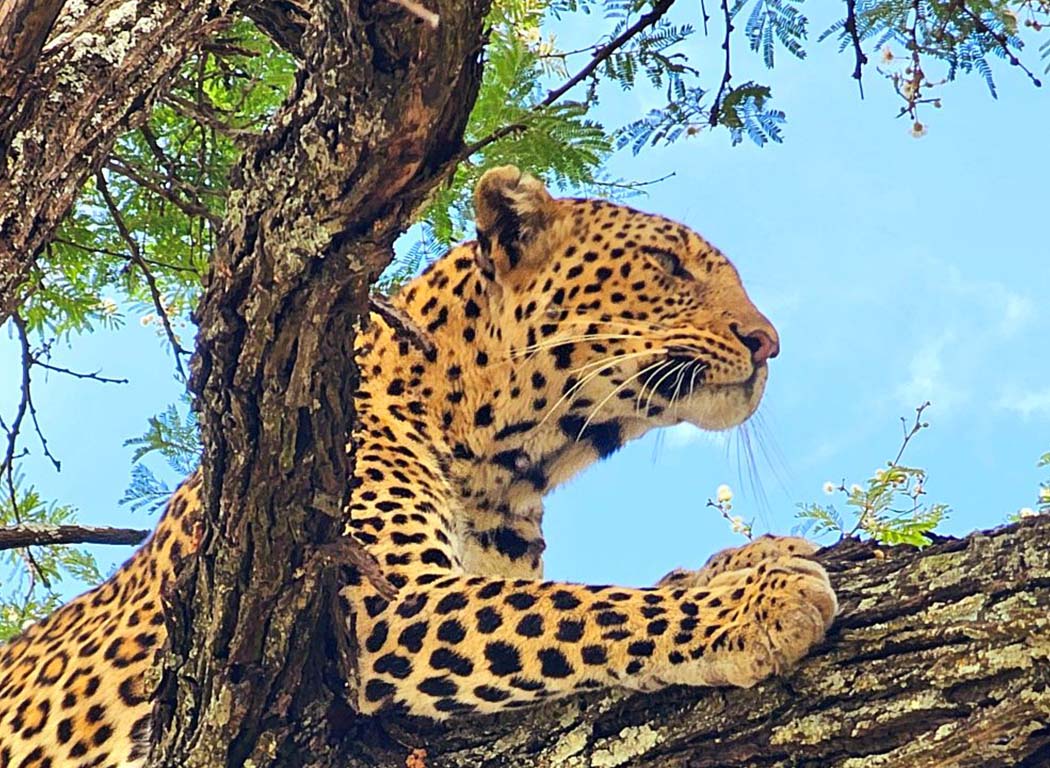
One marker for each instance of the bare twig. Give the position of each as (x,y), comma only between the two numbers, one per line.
(647,20)
(635,184)
(79,375)
(401,323)
(28,361)
(20,536)
(348,551)
(910,433)
(204,114)
(1003,43)
(108,252)
(8,465)
(192,207)
(136,258)
(860,57)
(431,19)
(716,107)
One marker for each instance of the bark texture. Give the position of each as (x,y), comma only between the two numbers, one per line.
(373,125)
(939,659)
(65,101)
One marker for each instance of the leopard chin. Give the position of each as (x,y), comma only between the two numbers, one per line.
(718,407)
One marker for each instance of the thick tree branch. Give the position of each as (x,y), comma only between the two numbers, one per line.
(283,21)
(24,26)
(46,535)
(94,78)
(940,658)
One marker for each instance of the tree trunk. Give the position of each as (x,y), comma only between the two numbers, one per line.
(939,658)
(374,124)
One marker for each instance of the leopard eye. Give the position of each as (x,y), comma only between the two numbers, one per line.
(669,261)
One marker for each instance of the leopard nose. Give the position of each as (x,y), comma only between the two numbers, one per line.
(762,343)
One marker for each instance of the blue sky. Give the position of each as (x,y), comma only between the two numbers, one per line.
(896,269)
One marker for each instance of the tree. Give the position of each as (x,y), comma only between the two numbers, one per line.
(117,129)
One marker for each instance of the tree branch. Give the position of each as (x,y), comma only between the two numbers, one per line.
(135,256)
(24,26)
(84,90)
(860,57)
(660,8)
(47,535)
(374,123)
(716,107)
(1001,41)
(939,659)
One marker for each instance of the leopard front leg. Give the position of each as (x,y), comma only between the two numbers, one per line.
(463,643)
(770,575)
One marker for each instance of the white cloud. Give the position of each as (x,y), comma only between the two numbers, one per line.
(1027,404)
(956,338)
(1018,311)
(930,376)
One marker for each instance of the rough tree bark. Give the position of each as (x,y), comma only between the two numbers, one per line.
(939,659)
(374,124)
(65,101)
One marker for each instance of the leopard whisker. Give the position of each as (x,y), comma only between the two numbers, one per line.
(697,368)
(645,385)
(656,386)
(598,407)
(609,363)
(678,386)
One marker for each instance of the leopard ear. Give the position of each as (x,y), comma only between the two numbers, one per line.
(511,209)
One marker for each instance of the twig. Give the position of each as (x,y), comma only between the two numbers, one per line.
(28,361)
(716,107)
(401,323)
(8,465)
(204,115)
(431,19)
(136,258)
(635,184)
(1003,43)
(659,10)
(19,536)
(861,58)
(107,252)
(192,207)
(348,551)
(77,374)
(909,434)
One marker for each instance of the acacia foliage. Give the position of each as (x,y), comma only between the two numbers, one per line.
(138,243)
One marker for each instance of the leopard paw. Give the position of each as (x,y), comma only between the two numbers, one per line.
(766,547)
(783,607)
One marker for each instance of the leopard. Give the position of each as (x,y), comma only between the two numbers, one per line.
(567,328)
